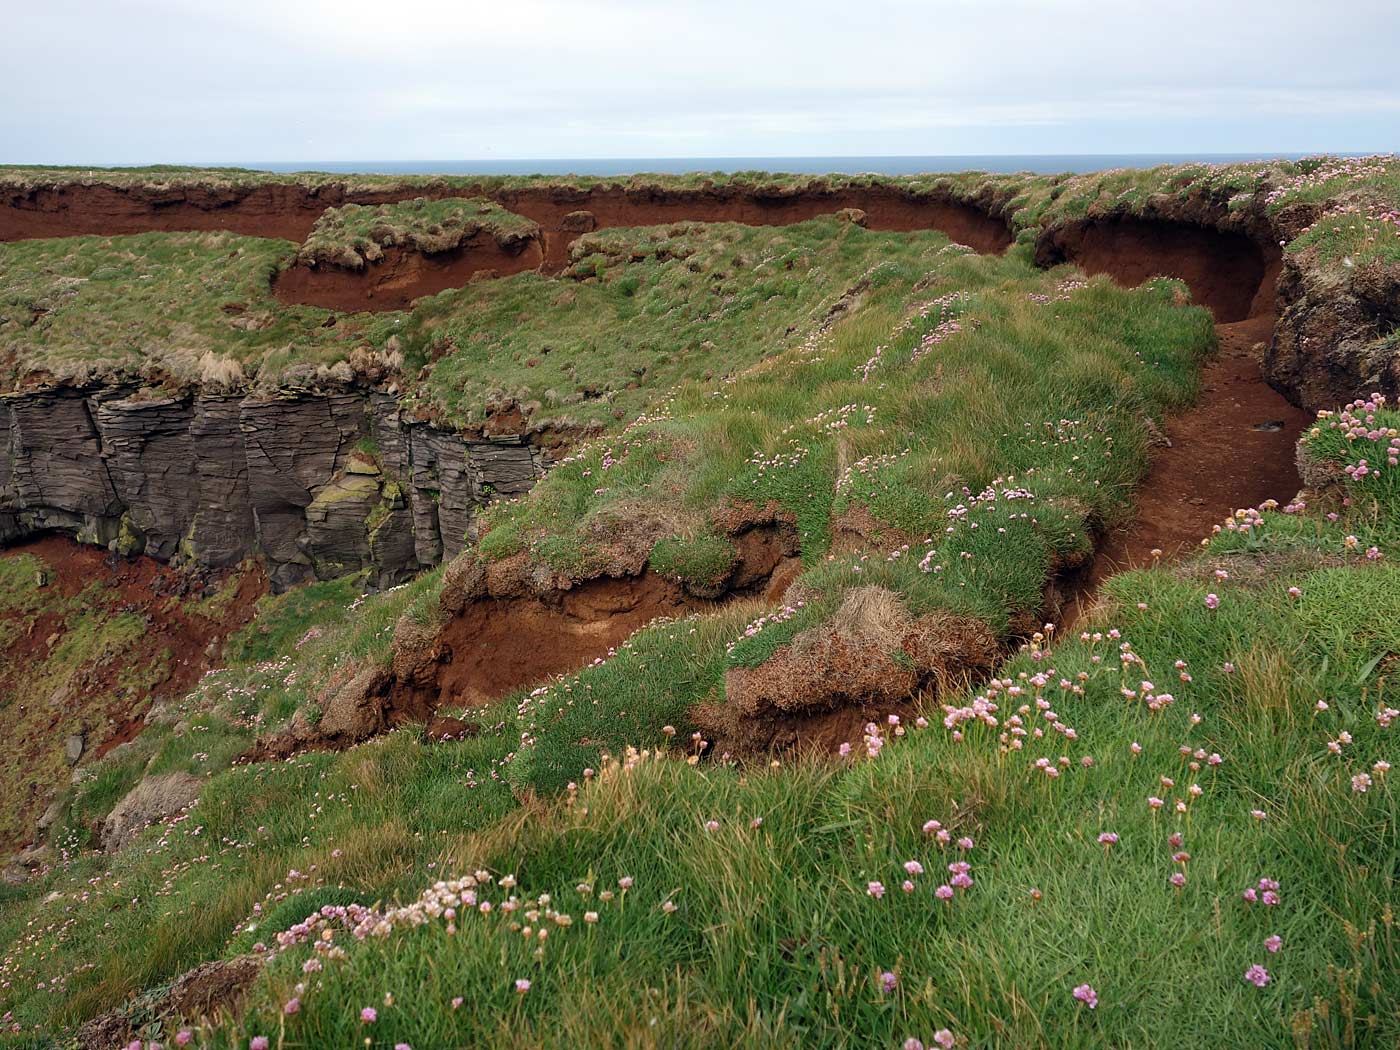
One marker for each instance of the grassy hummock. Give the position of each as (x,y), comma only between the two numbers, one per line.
(354,235)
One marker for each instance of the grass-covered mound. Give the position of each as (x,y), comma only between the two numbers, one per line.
(164,309)
(354,235)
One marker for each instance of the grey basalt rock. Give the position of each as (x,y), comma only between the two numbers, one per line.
(150,457)
(316,484)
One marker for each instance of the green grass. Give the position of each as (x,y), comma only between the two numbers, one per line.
(352,234)
(712,358)
(775,940)
(175,309)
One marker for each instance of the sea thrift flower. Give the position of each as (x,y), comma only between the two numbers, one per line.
(291,1006)
(1108,838)
(1361,782)
(944,1038)
(944,892)
(1178,880)
(1257,976)
(1085,994)
(875,889)
(369,1015)
(258,1042)
(913,867)
(522,985)
(183,1037)
(888,981)
(1273,943)
(1212,601)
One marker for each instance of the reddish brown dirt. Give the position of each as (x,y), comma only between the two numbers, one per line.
(501,644)
(400,276)
(1228,272)
(94,699)
(1224,455)
(289,211)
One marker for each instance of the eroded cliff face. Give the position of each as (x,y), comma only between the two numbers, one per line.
(318,485)
(1330,329)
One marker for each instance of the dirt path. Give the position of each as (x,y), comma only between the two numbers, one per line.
(1234,448)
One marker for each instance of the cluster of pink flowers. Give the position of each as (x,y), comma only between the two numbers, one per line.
(1266,893)
(1359,422)
(754,627)
(1063,291)
(1332,169)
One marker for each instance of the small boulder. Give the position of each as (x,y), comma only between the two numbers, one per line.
(155,798)
(73,748)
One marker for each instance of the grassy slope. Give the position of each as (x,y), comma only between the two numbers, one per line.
(354,231)
(775,940)
(160,305)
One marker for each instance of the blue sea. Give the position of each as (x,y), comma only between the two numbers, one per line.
(1042,163)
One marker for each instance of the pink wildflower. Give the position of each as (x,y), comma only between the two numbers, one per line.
(258,1042)
(522,985)
(369,1015)
(888,981)
(875,889)
(1273,943)
(1085,994)
(1212,601)
(1257,976)
(944,892)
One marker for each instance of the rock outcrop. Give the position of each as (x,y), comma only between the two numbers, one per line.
(155,798)
(316,484)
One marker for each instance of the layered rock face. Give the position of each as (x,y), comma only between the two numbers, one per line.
(318,485)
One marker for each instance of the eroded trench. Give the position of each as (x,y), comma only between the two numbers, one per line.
(1234,448)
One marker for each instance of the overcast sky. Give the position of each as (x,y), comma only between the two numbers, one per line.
(140,81)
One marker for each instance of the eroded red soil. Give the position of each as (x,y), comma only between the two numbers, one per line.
(1235,447)
(501,644)
(288,211)
(106,695)
(401,276)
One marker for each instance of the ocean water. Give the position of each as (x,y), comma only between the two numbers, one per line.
(1043,163)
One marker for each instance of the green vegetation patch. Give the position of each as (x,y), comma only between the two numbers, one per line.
(354,235)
